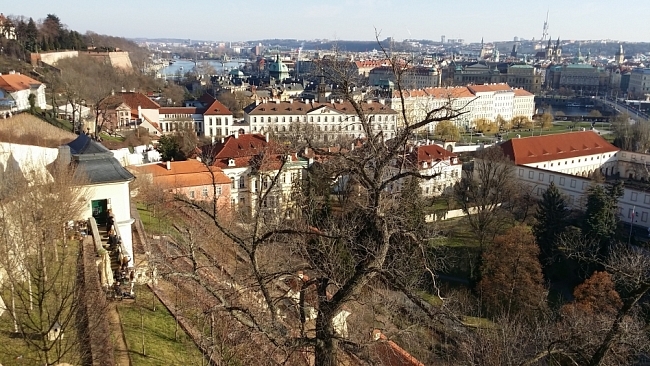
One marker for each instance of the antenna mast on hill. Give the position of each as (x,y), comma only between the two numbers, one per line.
(545,29)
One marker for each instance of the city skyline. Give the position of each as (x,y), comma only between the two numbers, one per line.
(228,20)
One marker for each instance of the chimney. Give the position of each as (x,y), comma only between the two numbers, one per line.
(139,113)
(236,134)
(169,165)
(267,137)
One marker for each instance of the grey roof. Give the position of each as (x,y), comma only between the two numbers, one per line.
(96,163)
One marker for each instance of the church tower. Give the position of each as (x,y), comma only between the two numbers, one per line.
(620,55)
(549,50)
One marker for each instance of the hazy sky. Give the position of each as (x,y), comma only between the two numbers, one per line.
(231,20)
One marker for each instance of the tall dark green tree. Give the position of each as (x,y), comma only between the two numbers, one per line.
(31,36)
(551,220)
(169,148)
(601,215)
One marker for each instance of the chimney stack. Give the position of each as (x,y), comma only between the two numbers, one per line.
(267,137)
(236,134)
(169,165)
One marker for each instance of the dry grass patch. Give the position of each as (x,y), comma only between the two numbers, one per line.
(30,130)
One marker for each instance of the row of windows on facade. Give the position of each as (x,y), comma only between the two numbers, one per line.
(579,160)
(323,128)
(325,119)
(218,121)
(285,178)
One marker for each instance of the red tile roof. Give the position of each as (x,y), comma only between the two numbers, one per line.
(391,354)
(530,150)
(440,93)
(301,108)
(189,173)
(489,88)
(217,109)
(17,82)
(523,93)
(136,99)
(431,153)
(247,150)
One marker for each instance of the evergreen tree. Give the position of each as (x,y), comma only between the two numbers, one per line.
(550,217)
(601,215)
(31,36)
(169,148)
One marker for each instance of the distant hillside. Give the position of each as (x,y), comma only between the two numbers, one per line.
(29,130)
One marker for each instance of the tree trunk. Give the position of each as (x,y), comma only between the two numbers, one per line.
(326,344)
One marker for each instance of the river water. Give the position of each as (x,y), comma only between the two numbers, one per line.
(570,111)
(184,66)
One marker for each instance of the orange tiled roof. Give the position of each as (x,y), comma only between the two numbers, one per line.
(371,63)
(16,82)
(431,153)
(189,173)
(530,150)
(522,93)
(489,88)
(438,93)
(135,100)
(301,108)
(217,109)
(391,354)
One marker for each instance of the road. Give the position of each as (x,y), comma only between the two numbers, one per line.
(634,114)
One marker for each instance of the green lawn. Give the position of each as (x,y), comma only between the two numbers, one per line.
(107,137)
(158,328)
(14,350)
(154,222)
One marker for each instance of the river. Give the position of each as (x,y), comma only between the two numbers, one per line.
(184,66)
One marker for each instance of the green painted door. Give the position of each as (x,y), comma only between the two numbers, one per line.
(100,210)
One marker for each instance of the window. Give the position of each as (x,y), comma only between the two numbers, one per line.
(573,183)
(531,174)
(540,191)
(644,217)
(192,194)
(647,198)
(561,181)
(232,182)
(254,119)
(551,178)
(634,196)
(218,190)
(204,193)
(541,177)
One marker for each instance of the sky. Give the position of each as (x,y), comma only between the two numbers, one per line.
(230,20)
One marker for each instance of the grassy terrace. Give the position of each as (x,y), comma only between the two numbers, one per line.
(158,329)
(14,349)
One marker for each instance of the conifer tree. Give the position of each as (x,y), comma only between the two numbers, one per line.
(601,215)
(551,220)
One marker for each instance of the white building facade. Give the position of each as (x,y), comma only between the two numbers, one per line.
(475,102)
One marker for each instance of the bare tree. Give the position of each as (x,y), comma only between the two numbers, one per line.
(334,261)
(483,191)
(40,262)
